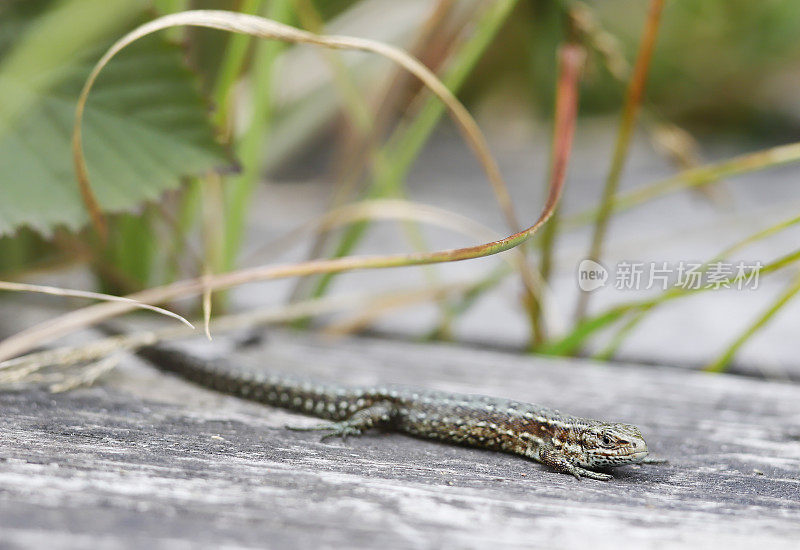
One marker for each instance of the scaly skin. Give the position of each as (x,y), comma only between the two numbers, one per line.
(567,444)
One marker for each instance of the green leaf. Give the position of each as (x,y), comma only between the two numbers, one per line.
(145,124)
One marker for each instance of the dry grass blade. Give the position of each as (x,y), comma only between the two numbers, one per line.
(700,176)
(70,355)
(266,28)
(87,376)
(59,380)
(56,291)
(207,308)
(380,209)
(394,301)
(212,198)
(18,368)
(64,324)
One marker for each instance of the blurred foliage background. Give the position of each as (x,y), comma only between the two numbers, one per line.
(183,126)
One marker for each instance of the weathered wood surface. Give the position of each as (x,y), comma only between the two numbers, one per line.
(150,461)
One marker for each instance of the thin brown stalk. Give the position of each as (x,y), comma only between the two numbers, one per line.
(677,144)
(571,58)
(633,101)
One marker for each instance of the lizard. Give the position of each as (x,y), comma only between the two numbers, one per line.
(566,443)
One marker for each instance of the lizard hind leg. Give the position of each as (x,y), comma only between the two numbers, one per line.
(377,415)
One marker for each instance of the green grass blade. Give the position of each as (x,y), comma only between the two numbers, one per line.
(239,189)
(721,362)
(577,338)
(620,336)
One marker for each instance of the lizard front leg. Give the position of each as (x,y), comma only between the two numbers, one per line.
(556,460)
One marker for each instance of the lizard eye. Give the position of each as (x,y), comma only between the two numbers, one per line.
(606,440)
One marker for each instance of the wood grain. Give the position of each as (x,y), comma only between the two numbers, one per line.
(150,461)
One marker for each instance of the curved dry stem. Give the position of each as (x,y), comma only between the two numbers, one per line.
(66,356)
(56,291)
(393,301)
(379,209)
(64,324)
(266,28)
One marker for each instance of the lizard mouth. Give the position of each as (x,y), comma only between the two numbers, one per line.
(636,456)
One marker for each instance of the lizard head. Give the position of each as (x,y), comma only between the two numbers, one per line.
(611,444)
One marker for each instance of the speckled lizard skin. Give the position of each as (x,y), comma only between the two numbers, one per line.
(565,443)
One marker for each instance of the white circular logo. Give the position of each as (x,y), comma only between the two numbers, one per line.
(591,275)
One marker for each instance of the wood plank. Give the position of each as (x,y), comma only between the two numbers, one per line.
(148,460)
